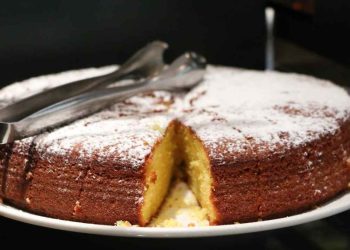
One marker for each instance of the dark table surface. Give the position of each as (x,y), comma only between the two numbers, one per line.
(329,233)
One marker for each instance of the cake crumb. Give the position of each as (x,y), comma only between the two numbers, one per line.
(29,176)
(77,208)
(348,161)
(153,177)
(123,223)
(28,200)
(317,191)
(79,176)
(157,127)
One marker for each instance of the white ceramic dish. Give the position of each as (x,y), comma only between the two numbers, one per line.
(337,205)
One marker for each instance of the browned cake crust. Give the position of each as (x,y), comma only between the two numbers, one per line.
(278,144)
(71,187)
(276,185)
(93,193)
(92,170)
(266,186)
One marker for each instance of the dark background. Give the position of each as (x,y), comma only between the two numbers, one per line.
(40,37)
(312,37)
(322,26)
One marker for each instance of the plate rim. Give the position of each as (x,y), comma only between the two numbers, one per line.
(336,205)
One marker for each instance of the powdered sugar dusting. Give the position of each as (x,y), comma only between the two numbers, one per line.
(232,111)
(237,111)
(23,89)
(125,133)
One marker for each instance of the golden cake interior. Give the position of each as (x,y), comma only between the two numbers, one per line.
(197,168)
(159,171)
(178,146)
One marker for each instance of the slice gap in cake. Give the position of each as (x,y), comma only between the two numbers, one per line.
(159,171)
(180,208)
(179,145)
(197,167)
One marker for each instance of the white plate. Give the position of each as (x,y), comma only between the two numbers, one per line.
(335,206)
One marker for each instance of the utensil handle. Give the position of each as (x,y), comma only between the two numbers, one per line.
(144,63)
(7,133)
(74,108)
(27,106)
(185,72)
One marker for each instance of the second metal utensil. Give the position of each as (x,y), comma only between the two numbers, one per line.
(145,63)
(185,72)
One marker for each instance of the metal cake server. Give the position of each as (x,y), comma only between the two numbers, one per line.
(184,73)
(145,63)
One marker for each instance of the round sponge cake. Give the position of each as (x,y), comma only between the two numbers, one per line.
(254,145)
